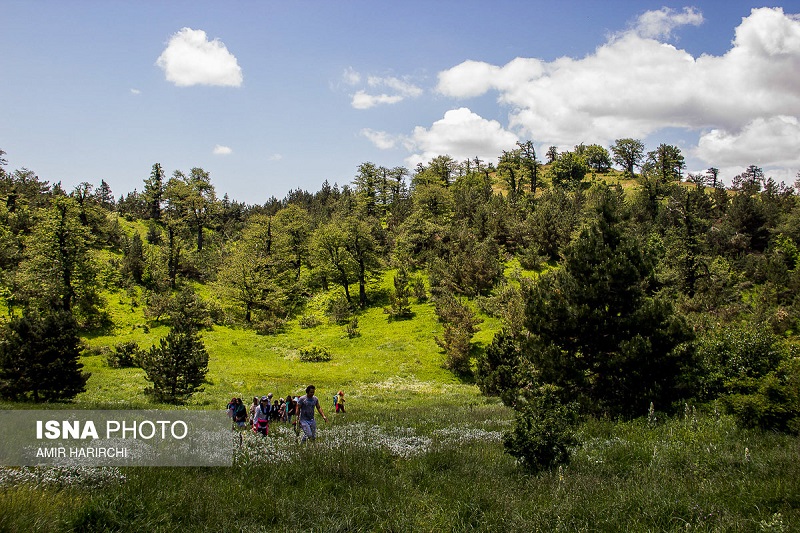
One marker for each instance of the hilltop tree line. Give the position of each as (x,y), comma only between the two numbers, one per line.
(672,288)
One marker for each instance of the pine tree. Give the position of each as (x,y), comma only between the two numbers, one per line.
(400,305)
(597,330)
(154,192)
(133,263)
(177,367)
(39,358)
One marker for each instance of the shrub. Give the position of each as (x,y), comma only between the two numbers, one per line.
(339,310)
(400,307)
(309,321)
(124,355)
(352,328)
(771,402)
(544,431)
(734,354)
(270,326)
(314,354)
(532,258)
(460,324)
(419,289)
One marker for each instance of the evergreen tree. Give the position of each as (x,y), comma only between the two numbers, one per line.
(400,306)
(39,358)
(177,367)
(133,264)
(154,192)
(460,324)
(597,330)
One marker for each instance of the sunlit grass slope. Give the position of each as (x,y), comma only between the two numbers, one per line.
(390,362)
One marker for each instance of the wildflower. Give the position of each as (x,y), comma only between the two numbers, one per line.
(651,415)
(747,455)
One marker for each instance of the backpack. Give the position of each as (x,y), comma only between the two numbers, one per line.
(335,399)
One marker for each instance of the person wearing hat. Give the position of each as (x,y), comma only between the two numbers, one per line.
(261,416)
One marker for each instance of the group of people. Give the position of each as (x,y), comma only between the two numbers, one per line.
(266,410)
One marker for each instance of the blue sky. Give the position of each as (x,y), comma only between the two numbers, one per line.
(270,96)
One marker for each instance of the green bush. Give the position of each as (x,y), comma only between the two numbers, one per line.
(544,431)
(352,328)
(314,354)
(309,321)
(339,310)
(270,326)
(124,355)
(734,355)
(770,402)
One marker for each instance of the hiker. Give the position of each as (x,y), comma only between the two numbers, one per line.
(253,410)
(291,405)
(305,413)
(340,402)
(239,414)
(282,410)
(261,417)
(229,411)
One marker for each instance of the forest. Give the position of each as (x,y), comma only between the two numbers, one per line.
(630,286)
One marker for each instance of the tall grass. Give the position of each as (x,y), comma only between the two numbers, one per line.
(418,450)
(678,475)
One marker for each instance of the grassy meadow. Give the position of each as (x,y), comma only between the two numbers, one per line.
(418,450)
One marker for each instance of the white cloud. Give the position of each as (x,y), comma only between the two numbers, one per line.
(275,157)
(222,150)
(136,91)
(399,90)
(634,86)
(460,134)
(191,59)
(401,87)
(362,100)
(381,139)
(351,77)
(660,23)
(773,141)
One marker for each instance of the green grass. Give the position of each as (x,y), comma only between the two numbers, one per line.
(677,476)
(418,450)
(390,362)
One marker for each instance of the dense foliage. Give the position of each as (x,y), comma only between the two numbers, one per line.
(631,278)
(39,358)
(177,367)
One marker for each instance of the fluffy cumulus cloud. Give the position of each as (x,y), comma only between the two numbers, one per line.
(744,105)
(191,59)
(460,134)
(380,90)
(222,150)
